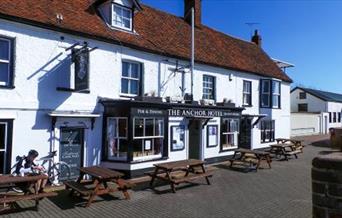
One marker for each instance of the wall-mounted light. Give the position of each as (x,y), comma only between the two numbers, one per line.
(230,77)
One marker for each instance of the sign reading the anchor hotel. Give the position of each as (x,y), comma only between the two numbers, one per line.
(191,112)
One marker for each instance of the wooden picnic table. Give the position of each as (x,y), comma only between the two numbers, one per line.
(192,169)
(98,185)
(19,181)
(284,149)
(251,157)
(297,143)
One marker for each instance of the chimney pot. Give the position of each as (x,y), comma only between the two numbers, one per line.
(196,4)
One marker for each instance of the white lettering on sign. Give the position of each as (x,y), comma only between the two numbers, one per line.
(201,113)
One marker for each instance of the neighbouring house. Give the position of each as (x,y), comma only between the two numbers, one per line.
(314,111)
(108,82)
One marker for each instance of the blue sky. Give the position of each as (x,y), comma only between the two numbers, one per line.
(305,33)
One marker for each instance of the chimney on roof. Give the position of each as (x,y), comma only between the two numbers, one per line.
(196,4)
(256,38)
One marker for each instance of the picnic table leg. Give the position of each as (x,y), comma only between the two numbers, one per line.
(206,178)
(268,159)
(154,176)
(72,191)
(94,193)
(172,184)
(123,188)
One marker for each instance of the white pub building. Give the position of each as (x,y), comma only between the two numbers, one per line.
(110,82)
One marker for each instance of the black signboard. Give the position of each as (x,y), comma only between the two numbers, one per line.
(81,59)
(194,112)
(71,147)
(147,112)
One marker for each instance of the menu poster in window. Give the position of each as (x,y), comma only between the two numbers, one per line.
(212,135)
(177,138)
(148,145)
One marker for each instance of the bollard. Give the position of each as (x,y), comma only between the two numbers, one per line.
(326,177)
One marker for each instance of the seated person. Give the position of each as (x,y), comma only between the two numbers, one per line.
(28,167)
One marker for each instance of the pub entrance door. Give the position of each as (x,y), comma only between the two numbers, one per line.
(195,139)
(245,139)
(71,150)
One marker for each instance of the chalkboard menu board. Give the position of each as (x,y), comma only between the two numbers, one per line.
(71,151)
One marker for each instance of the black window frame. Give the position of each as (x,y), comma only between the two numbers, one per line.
(263,129)
(303,105)
(171,137)
(302,95)
(12,50)
(213,88)
(249,95)
(270,93)
(339,117)
(9,144)
(140,79)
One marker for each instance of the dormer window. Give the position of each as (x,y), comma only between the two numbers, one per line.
(122,17)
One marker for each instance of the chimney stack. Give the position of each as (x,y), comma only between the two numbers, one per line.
(256,38)
(196,4)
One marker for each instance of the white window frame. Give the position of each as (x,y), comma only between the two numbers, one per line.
(122,8)
(268,93)
(246,93)
(5,146)
(117,137)
(151,138)
(210,87)
(278,95)
(130,78)
(7,62)
(234,133)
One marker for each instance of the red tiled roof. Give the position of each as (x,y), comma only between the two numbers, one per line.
(157,32)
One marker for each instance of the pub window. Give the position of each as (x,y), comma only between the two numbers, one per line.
(265,93)
(302,95)
(270,94)
(335,117)
(275,94)
(212,135)
(267,130)
(177,138)
(148,138)
(131,78)
(6,62)
(208,87)
(6,127)
(230,133)
(122,17)
(302,107)
(117,138)
(247,93)
(330,117)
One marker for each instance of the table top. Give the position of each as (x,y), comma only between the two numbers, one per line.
(180,164)
(7,179)
(101,173)
(244,150)
(291,140)
(282,145)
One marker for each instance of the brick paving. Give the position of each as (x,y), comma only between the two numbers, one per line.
(283,191)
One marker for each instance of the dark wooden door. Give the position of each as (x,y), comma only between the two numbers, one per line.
(245,136)
(195,130)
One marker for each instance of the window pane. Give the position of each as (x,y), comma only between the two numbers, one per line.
(134,71)
(137,148)
(276,87)
(149,123)
(112,128)
(159,127)
(4,49)
(275,101)
(125,68)
(126,13)
(122,128)
(134,87)
(265,86)
(126,23)
(139,127)
(4,73)
(117,10)
(124,85)
(2,136)
(158,146)
(265,100)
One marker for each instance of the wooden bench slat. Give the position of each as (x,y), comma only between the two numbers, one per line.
(13,198)
(78,187)
(192,177)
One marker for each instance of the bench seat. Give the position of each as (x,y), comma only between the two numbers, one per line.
(191,177)
(14,198)
(80,188)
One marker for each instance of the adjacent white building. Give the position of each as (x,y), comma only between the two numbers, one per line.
(109,83)
(314,111)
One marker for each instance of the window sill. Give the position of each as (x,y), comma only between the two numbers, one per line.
(228,150)
(7,87)
(123,95)
(267,142)
(72,90)
(247,105)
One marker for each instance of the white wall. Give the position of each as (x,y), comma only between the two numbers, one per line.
(314,104)
(305,124)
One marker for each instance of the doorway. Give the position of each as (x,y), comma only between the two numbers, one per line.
(71,150)
(195,139)
(245,133)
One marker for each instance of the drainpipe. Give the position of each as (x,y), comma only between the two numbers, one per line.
(192,49)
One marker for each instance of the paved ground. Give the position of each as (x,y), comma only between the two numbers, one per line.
(283,191)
